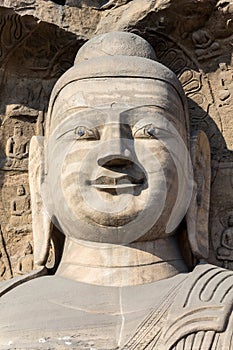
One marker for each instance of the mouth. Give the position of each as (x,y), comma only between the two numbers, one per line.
(114,184)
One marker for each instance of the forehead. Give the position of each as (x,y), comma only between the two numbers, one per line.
(93,93)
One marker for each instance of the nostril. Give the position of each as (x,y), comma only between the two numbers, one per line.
(111,161)
(114,156)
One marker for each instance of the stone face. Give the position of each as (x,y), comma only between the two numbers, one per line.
(38,43)
(120,174)
(39,40)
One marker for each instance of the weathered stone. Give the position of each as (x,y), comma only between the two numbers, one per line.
(26,23)
(119,174)
(38,43)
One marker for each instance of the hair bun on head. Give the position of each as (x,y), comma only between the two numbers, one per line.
(116,55)
(115,44)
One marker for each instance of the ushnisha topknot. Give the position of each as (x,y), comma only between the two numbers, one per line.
(116,54)
(115,44)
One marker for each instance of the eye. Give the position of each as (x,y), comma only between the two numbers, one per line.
(84,133)
(147,131)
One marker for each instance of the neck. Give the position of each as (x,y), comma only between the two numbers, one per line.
(116,265)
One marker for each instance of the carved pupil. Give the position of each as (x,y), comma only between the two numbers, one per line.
(150,131)
(80,132)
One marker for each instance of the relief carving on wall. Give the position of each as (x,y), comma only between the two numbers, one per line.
(196,45)
(17,150)
(225,250)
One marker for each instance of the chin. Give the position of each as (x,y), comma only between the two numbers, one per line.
(111,220)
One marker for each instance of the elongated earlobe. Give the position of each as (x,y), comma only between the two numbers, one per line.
(41,221)
(197,217)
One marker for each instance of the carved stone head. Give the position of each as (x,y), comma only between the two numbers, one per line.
(20,190)
(115,161)
(17,130)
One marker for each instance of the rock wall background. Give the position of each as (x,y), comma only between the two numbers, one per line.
(38,42)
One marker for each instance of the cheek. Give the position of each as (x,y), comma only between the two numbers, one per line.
(67,153)
(64,161)
(161,172)
(154,157)
(73,160)
(74,167)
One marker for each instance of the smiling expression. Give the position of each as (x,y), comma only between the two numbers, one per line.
(116,151)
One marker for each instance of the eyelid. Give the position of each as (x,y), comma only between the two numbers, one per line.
(94,131)
(157,131)
(88,133)
(142,131)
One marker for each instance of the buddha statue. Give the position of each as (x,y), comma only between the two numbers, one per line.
(120,189)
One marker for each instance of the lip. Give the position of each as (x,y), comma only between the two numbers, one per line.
(113,183)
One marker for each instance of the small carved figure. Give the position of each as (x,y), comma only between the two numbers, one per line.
(225,81)
(201,39)
(17,147)
(20,211)
(225,251)
(25,263)
(205,47)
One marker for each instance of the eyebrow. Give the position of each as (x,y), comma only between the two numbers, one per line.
(64,133)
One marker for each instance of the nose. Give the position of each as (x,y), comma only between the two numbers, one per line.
(116,147)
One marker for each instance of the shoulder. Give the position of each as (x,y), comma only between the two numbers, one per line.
(7,286)
(202,308)
(207,285)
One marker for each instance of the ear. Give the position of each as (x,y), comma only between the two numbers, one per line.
(197,217)
(41,222)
